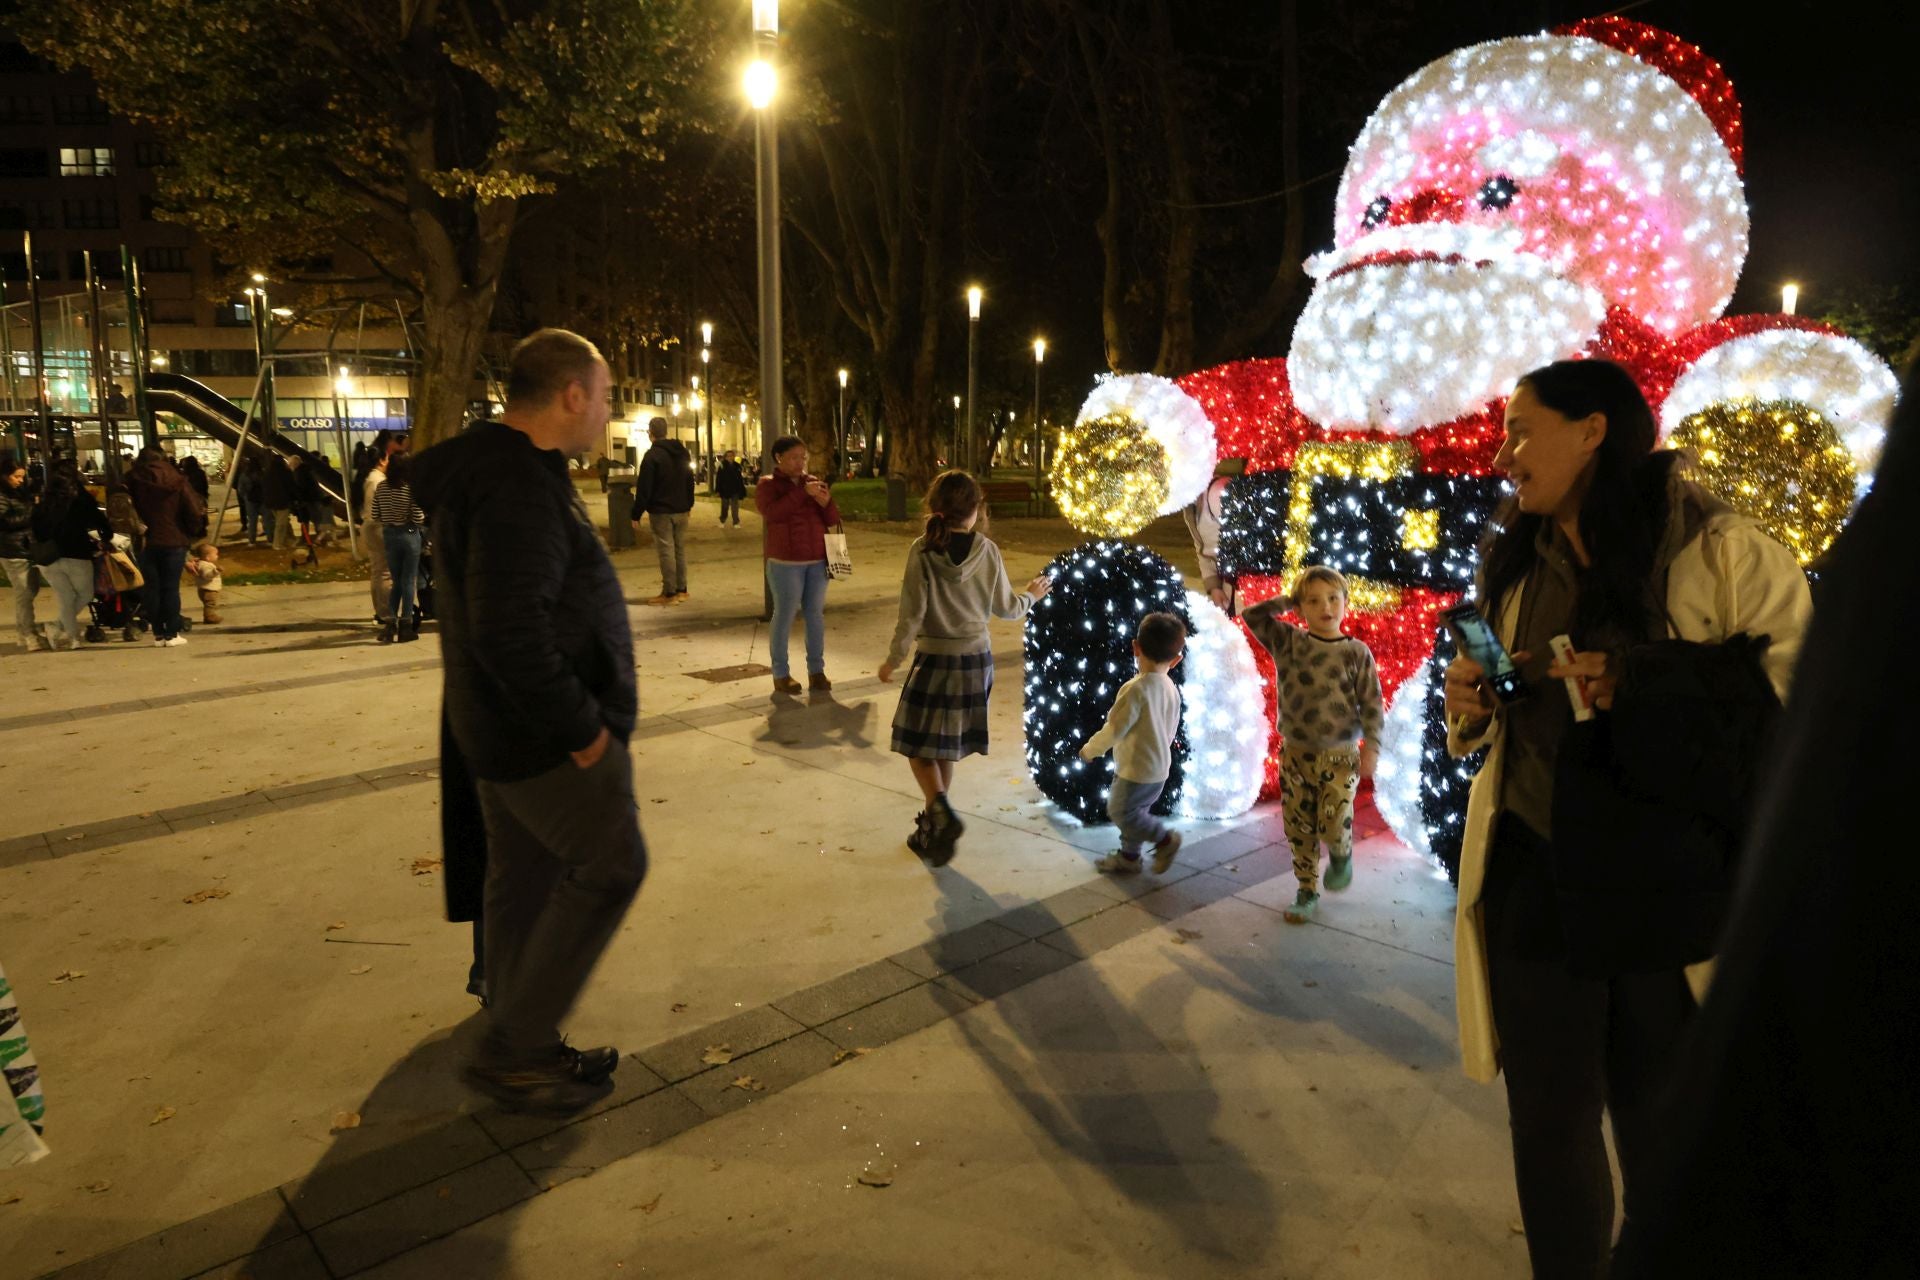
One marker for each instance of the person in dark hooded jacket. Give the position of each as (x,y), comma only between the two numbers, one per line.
(175,520)
(663,493)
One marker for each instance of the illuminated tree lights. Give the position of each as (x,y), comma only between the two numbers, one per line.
(1079,651)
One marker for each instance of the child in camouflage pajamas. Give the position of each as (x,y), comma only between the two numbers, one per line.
(1328,697)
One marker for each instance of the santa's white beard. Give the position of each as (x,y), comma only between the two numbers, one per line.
(1402,345)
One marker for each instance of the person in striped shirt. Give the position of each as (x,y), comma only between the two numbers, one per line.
(402,531)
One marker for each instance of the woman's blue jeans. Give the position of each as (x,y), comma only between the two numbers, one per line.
(798,588)
(403,561)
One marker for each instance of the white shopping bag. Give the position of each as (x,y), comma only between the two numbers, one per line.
(839,559)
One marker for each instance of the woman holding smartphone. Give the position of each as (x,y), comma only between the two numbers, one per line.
(1598,521)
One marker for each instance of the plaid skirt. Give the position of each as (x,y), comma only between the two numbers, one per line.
(943,706)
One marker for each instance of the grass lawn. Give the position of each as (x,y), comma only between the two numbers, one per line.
(867,499)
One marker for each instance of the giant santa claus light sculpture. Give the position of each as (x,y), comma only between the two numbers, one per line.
(1516,202)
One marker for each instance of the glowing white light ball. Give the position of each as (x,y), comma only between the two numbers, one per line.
(1224,713)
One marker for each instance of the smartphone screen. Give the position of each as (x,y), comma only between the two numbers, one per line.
(1478,642)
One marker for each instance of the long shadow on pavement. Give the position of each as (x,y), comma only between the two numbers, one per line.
(1096,1079)
(820,721)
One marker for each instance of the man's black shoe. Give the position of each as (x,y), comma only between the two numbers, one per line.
(559,1083)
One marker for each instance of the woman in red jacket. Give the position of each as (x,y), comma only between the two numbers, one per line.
(798,511)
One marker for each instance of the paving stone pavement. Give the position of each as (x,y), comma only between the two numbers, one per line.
(303,1028)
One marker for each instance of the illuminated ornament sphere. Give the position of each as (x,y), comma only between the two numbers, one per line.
(1223,714)
(1778,461)
(1108,476)
(1079,651)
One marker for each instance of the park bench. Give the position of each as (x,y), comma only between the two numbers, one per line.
(1008,492)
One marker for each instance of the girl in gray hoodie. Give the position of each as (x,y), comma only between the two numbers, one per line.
(954,581)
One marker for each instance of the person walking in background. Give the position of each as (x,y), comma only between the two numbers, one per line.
(374,465)
(540,701)
(70,519)
(731,485)
(246,487)
(663,492)
(204,565)
(276,496)
(796,510)
(954,581)
(402,530)
(1606,542)
(196,476)
(1140,729)
(175,520)
(16,542)
(1327,692)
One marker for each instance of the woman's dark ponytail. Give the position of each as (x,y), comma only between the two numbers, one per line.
(953,497)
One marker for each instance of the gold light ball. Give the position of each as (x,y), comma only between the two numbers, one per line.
(1779,461)
(1109,477)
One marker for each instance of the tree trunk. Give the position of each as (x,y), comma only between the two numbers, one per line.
(1113,285)
(1176,355)
(455,329)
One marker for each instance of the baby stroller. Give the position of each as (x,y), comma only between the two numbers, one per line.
(423,584)
(116,595)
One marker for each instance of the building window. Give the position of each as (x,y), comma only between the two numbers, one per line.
(106,265)
(79,108)
(86,162)
(90,215)
(23,162)
(46,265)
(20,108)
(235,315)
(163,259)
(149,155)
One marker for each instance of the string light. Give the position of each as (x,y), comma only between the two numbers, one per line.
(1108,476)
(1079,651)
(1780,462)
(1223,714)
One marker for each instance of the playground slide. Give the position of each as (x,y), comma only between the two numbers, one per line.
(219,417)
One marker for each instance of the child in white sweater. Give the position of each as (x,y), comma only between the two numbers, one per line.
(1139,731)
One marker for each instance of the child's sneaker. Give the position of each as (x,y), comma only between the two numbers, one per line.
(1302,909)
(1339,873)
(1164,851)
(1119,864)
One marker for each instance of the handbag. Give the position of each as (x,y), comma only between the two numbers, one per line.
(123,573)
(1651,805)
(839,559)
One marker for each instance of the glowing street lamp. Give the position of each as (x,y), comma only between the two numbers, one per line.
(1789,298)
(974,296)
(706,355)
(841,462)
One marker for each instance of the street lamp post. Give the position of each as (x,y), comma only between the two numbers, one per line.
(1039,358)
(974,294)
(706,357)
(761,83)
(840,463)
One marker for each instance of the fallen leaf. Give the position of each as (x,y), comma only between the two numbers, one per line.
(336,925)
(656,799)
(717,1055)
(97,1187)
(359,969)
(872,1177)
(425,866)
(164,1113)
(1184,936)
(678,1007)
(1516,1228)
(1309,983)
(344,1120)
(444,1192)
(203,895)
(66,975)
(650,1205)
(1313,1088)
(747,1084)
(844,1054)
(12,1197)
(131,1079)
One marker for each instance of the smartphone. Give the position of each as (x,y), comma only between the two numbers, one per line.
(1477,641)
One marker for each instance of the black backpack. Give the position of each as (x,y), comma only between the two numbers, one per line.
(1652,801)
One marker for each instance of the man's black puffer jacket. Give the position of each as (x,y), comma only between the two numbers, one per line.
(533,624)
(16,522)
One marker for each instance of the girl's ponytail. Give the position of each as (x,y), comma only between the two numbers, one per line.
(952,499)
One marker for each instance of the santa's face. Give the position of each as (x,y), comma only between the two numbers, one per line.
(1495,206)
